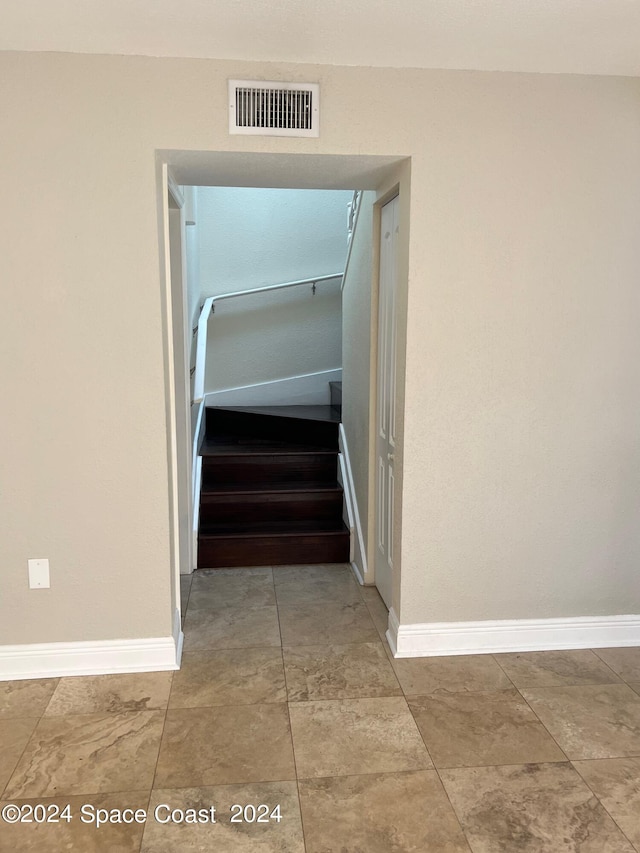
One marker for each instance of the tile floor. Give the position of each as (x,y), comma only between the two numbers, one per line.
(288,696)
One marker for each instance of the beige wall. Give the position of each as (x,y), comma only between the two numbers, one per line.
(274,336)
(522,459)
(252,237)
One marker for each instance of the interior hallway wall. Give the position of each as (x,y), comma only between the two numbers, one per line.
(521,458)
(252,237)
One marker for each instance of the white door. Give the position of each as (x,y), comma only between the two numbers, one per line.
(386,392)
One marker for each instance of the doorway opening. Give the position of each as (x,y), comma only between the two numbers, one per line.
(375,177)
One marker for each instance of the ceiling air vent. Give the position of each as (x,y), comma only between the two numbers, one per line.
(274,109)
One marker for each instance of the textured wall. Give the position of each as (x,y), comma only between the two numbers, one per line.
(521,458)
(254,237)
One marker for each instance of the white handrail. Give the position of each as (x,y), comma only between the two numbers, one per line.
(208,308)
(354,213)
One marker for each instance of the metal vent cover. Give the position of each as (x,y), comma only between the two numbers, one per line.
(258,107)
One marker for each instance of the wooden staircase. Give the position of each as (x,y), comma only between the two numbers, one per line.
(270,494)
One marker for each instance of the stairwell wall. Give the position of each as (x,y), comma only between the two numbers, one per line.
(253,237)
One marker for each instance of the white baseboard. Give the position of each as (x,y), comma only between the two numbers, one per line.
(351,501)
(511,635)
(347,508)
(51,660)
(308,389)
(357,573)
(195,526)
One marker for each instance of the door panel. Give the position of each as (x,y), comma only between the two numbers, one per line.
(386,392)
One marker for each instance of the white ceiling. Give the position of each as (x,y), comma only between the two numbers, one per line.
(575,36)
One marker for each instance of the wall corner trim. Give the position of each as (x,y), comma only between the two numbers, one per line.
(103,657)
(356,571)
(511,635)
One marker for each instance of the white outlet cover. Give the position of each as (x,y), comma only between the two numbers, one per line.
(39,574)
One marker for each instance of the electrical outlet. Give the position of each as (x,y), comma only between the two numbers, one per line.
(39,574)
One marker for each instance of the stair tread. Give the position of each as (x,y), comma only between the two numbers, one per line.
(213,447)
(267,488)
(306,413)
(270,491)
(273,528)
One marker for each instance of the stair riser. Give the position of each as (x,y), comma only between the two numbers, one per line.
(250,425)
(218,509)
(272,551)
(268,470)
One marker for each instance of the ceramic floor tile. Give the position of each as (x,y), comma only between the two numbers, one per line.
(377,609)
(535,808)
(27,698)
(616,783)
(371,595)
(320,571)
(590,722)
(455,674)
(14,736)
(342,589)
(229,677)
(339,672)
(355,736)
(96,753)
(220,746)
(635,686)
(625,662)
(383,813)
(76,834)
(93,694)
(231,628)
(333,623)
(284,836)
(232,588)
(469,729)
(555,669)
(234,572)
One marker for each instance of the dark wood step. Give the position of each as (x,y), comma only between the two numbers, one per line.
(287,507)
(307,413)
(275,549)
(233,488)
(276,527)
(226,446)
(277,423)
(268,469)
(269,490)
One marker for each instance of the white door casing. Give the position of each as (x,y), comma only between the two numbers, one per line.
(386,398)
(179,422)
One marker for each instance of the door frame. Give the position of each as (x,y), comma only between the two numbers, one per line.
(386,174)
(178,400)
(392,544)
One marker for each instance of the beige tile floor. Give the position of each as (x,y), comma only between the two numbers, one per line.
(288,696)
